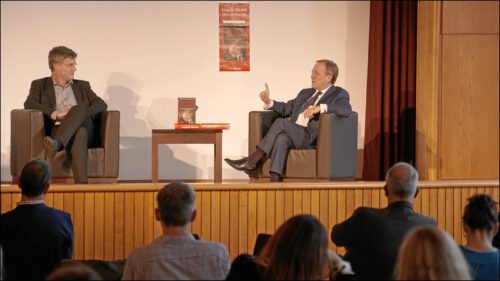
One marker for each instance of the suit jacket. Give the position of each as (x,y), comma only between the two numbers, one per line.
(42,96)
(372,237)
(336,98)
(35,238)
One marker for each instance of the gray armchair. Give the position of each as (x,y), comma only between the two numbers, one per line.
(334,156)
(28,132)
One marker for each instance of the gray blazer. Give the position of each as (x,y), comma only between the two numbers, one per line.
(336,98)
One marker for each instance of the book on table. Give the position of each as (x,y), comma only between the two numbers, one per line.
(202,126)
(186,110)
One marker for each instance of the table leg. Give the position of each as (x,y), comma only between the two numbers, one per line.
(218,157)
(154,158)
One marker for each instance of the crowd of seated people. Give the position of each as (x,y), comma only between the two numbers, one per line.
(389,243)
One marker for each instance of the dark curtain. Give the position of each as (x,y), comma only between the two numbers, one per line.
(390,97)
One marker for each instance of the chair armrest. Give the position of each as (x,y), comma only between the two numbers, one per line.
(110,141)
(259,123)
(26,138)
(337,146)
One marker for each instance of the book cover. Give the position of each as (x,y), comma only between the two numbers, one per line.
(186,110)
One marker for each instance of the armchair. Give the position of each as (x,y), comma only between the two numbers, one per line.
(28,132)
(334,156)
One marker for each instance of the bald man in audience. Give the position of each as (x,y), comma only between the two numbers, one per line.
(372,236)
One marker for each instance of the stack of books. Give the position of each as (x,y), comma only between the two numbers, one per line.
(186,117)
(202,126)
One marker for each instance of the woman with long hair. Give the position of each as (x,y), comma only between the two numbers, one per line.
(298,251)
(428,253)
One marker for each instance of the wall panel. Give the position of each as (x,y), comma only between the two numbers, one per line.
(110,221)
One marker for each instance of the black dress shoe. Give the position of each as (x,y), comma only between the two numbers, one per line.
(51,146)
(275,177)
(240,165)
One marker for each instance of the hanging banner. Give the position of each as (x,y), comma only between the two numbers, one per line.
(234,37)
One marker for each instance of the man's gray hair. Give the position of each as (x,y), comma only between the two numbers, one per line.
(401,180)
(176,202)
(331,68)
(58,54)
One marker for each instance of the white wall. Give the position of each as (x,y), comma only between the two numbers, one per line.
(141,56)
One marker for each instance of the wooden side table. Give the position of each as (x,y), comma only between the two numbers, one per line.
(164,136)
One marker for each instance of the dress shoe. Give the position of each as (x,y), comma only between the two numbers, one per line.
(51,146)
(275,177)
(240,165)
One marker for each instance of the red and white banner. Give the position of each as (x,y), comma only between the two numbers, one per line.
(234,37)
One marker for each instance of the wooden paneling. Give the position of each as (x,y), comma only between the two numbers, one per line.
(428,44)
(469,115)
(110,221)
(470,17)
(457,90)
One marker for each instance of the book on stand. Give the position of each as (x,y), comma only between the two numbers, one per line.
(186,110)
(202,126)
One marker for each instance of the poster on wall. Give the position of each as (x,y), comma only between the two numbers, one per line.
(234,37)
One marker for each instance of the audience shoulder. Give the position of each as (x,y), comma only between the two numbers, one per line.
(215,246)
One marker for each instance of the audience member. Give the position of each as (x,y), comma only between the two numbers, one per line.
(2,269)
(177,254)
(372,236)
(35,238)
(298,251)
(428,253)
(244,267)
(496,238)
(74,271)
(480,225)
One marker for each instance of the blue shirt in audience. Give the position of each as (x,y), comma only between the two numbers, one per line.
(484,265)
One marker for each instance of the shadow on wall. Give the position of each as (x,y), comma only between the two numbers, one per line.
(163,115)
(5,169)
(135,137)
(135,134)
(393,142)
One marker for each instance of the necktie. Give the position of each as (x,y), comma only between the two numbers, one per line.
(309,102)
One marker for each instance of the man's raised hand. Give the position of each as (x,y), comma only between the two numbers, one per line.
(264,95)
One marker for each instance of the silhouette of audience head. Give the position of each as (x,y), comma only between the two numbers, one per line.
(297,251)
(35,178)
(401,182)
(496,239)
(243,268)
(428,253)
(481,214)
(176,204)
(73,271)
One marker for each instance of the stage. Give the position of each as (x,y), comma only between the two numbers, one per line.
(110,220)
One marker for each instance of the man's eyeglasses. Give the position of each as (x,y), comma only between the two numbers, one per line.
(69,65)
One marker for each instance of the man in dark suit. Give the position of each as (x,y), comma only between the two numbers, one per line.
(34,237)
(372,236)
(298,127)
(69,107)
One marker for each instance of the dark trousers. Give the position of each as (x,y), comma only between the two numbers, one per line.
(281,137)
(76,133)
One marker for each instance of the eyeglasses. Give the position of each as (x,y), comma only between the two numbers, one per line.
(68,65)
